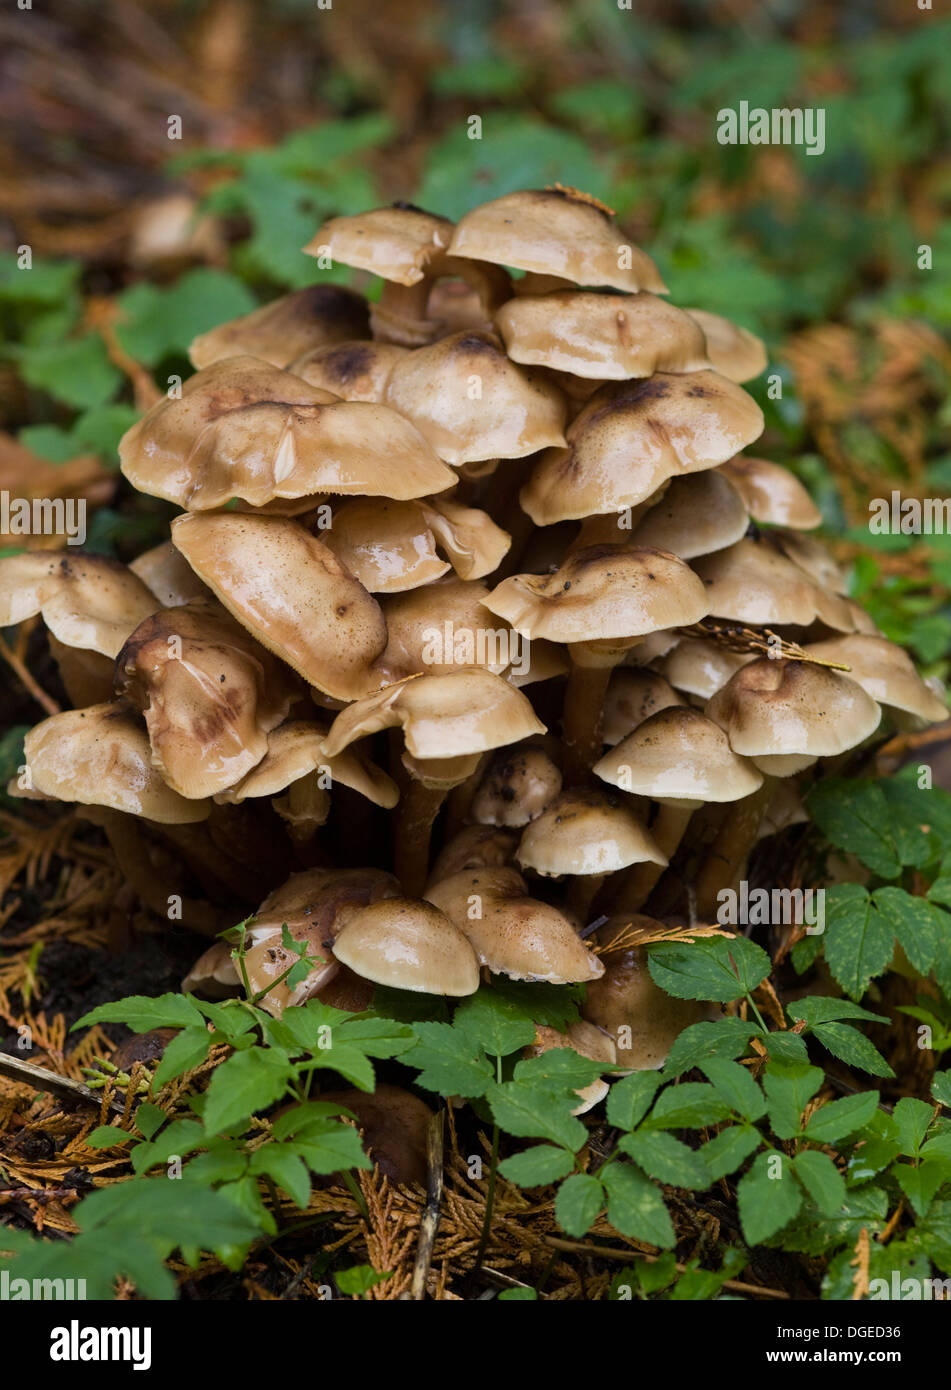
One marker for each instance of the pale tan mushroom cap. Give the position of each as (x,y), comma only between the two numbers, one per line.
(513,934)
(291,593)
(602,591)
(773,495)
(453,715)
(286,328)
(632,696)
(734,352)
(556,232)
(781,707)
(169,575)
(609,337)
(471,403)
(698,514)
(586,832)
(354,371)
(588,1040)
(630,438)
(474,847)
(101,757)
(702,667)
(813,557)
(516,787)
(245,429)
(754,582)
(296,749)
(884,671)
(679,754)
(214,973)
(87,601)
(406,944)
(439,627)
(209,693)
(397,243)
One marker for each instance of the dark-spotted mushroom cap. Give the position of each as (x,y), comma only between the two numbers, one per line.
(630,438)
(287,327)
(245,429)
(609,337)
(586,832)
(101,757)
(556,231)
(772,494)
(887,673)
(353,371)
(512,933)
(784,714)
(633,696)
(733,351)
(516,787)
(291,592)
(87,601)
(407,944)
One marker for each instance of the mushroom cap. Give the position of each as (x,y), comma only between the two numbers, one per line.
(437,628)
(609,337)
(87,676)
(813,557)
(296,749)
(555,231)
(287,327)
(354,371)
(754,582)
(633,696)
(245,429)
(733,351)
(397,243)
(584,831)
(513,934)
(214,973)
(701,667)
(630,438)
(696,515)
(516,787)
(169,575)
(772,494)
(471,403)
(626,997)
(602,591)
(588,1040)
(87,601)
(101,757)
(679,754)
(884,671)
(474,847)
(210,695)
(292,593)
(408,944)
(773,708)
(394,1124)
(453,715)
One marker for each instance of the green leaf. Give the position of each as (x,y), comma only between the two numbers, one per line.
(496,1024)
(913,921)
(786,1047)
(629,1099)
(359,1279)
(244,1083)
(177,1139)
(158,322)
(636,1207)
(717,967)
(727,1037)
(941,1088)
(819,1008)
(855,817)
(376,1037)
(560,1069)
(789,1087)
(517,1296)
(448,1061)
(840,1118)
(529,1113)
(815,1233)
(330,1147)
(149,1119)
(309,1112)
(548,1006)
(76,371)
(186,1050)
(286,1168)
(821,1179)
(578,1201)
(141,1014)
(726,1151)
(913,1117)
(768,1197)
(737,1087)
(920,1184)
(164,1214)
(688,1105)
(668,1159)
(851,1046)
(858,940)
(107,1137)
(538,1166)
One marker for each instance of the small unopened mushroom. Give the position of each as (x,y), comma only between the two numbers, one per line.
(407,944)
(772,494)
(588,1040)
(733,351)
(87,601)
(394,1124)
(287,327)
(101,757)
(887,673)
(513,934)
(516,787)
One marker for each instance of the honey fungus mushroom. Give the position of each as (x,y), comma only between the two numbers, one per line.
(90,602)
(733,351)
(286,328)
(407,944)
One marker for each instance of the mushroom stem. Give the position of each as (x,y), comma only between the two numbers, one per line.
(418,809)
(132,856)
(400,316)
(667,831)
(581,721)
(735,839)
(582,891)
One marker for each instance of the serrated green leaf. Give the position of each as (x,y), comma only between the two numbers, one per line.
(495,1023)
(941,1088)
(530,1113)
(669,1160)
(789,1087)
(149,1119)
(448,1061)
(330,1147)
(819,1008)
(376,1037)
(839,1118)
(76,371)
(851,1046)
(359,1279)
(913,1118)
(727,1037)
(107,1137)
(636,1207)
(687,1105)
(855,817)
(768,1197)
(913,921)
(577,1203)
(538,1166)
(141,1014)
(821,1179)
(858,939)
(737,1087)
(630,1098)
(244,1083)
(179,1138)
(920,1184)
(716,967)
(188,1049)
(560,1070)
(286,1168)
(726,1151)
(786,1046)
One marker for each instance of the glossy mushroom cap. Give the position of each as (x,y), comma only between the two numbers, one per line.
(516,787)
(702,667)
(629,439)
(556,231)
(588,1041)
(512,933)
(633,696)
(782,712)
(586,832)
(101,757)
(438,627)
(754,582)
(453,715)
(291,592)
(679,754)
(245,429)
(772,494)
(609,337)
(397,243)
(885,672)
(294,751)
(733,351)
(474,847)
(407,944)
(284,329)
(354,371)
(471,403)
(696,515)
(87,601)
(165,571)
(602,591)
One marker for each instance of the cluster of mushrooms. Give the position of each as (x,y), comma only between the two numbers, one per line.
(477,635)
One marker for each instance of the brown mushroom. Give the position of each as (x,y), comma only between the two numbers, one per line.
(407,944)
(588,1040)
(86,601)
(284,329)
(733,351)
